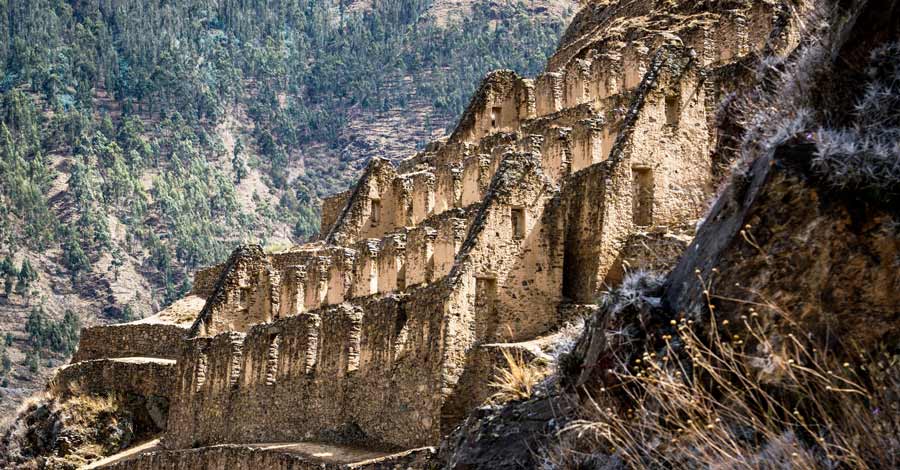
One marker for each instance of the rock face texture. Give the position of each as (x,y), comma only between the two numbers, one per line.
(789,242)
(548,192)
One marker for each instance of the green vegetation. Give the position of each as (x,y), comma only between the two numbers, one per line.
(5,361)
(46,336)
(16,280)
(114,108)
(57,336)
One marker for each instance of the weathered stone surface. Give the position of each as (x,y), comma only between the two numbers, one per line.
(368,367)
(144,386)
(129,340)
(157,336)
(505,437)
(137,375)
(798,252)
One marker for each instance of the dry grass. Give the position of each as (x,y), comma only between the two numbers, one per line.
(750,398)
(67,433)
(518,379)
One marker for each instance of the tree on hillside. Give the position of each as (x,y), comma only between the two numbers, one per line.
(25,277)
(74,257)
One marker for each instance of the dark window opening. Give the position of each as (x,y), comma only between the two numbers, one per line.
(642,186)
(517,215)
(495,116)
(485,307)
(673,110)
(376,212)
(401,278)
(430,266)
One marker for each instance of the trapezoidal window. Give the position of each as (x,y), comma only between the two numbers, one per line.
(200,372)
(517,217)
(376,212)
(272,360)
(496,112)
(642,187)
(485,307)
(673,109)
(401,275)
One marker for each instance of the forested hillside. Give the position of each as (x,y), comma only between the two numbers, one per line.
(141,140)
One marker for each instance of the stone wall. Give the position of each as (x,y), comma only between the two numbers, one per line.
(655,251)
(670,145)
(580,221)
(140,376)
(293,341)
(368,369)
(205,280)
(262,287)
(575,138)
(657,174)
(474,387)
(385,201)
(375,205)
(242,295)
(501,103)
(129,340)
(507,262)
(332,206)
(141,386)
(303,374)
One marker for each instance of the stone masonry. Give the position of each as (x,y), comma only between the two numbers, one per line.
(487,237)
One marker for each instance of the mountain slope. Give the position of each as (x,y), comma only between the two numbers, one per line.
(141,140)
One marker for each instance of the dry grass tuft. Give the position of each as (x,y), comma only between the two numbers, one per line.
(750,398)
(518,379)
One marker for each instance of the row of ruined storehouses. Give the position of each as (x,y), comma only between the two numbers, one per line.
(498,234)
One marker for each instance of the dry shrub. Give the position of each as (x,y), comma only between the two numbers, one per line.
(866,155)
(518,379)
(751,398)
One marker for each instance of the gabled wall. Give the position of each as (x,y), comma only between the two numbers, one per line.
(241,297)
(502,102)
(658,174)
(375,207)
(513,272)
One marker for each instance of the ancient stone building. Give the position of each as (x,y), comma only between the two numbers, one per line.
(375,334)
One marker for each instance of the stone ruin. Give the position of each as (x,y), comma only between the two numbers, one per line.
(381,333)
